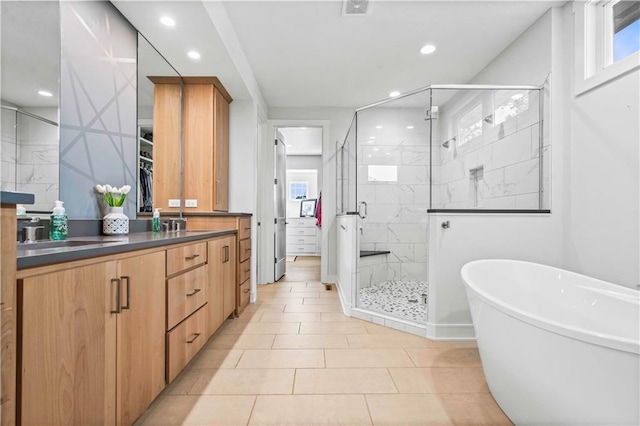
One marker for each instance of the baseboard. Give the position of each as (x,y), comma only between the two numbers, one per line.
(389,321)
(450,331)
(346,306)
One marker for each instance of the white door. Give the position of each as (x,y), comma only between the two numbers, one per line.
(280,240)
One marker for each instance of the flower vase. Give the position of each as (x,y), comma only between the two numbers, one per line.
(115,222)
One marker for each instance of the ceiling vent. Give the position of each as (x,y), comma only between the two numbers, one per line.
(356,7)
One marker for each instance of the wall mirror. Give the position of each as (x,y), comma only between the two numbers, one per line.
(30,49)
(150,63)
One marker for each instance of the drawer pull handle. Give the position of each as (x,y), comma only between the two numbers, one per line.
(301,240)
(196,291)
(193,256)
(246,228)
(128,306)
(196,335)
(247,270)
(246,290)
(118,308)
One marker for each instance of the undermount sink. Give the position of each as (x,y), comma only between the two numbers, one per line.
(48,244)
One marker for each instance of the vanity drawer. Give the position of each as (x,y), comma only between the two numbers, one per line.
(185,293)
(245,294)
(244,228)
(245,270)
(244,250)
(302,221)
(301,239)
(185,257)
(184,341)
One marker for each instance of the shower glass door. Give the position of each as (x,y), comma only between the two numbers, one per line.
(393,162)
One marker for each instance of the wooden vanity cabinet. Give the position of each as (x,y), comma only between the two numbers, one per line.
(205,148)
(92,348)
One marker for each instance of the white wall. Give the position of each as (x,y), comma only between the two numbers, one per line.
(243,174)
(310,163)
(601,222)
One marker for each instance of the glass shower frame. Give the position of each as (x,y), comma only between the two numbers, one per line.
(506,108)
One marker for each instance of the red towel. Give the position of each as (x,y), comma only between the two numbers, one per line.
(319,211)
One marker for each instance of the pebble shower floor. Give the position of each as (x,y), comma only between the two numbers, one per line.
(402,299)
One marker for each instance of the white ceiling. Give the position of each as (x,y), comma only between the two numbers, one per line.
(302,140)
(302,53)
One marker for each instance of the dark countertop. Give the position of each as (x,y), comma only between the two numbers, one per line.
(365,253)
(188,214)
(105,245)
(8,197)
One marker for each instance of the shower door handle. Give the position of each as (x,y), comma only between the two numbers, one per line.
(446,225)
(362,215)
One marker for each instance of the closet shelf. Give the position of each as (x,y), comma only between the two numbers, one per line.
(145,141)
(145,159)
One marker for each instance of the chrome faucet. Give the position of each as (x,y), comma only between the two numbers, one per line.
(29,232)
(174,224)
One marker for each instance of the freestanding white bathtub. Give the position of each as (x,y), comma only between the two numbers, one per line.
(558,348)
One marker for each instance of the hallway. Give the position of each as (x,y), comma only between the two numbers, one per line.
(294,358)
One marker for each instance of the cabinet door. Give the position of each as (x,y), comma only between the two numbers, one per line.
(141,334)
(221,153)
(215,288)
(229,276)
(68,370)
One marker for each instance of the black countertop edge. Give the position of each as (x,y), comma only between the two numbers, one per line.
(367,253)
(8,197)
(481,211)
(106,246)
(195,214)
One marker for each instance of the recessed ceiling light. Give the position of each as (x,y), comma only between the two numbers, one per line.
(193,54)
(370,141)
(409,127)
(394,94)
(376,149)
(45,93)
(427,48)
(289,145)
(378,127)
(387,153)
(169,22)
(372,137)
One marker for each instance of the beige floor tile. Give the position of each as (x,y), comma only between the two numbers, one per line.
(310,341)
(308,288)
(473,408)
(445,357)
(402,340)
(332,328)
(296,295)
(240,341)
(379,329)
(282,358)
(216,358)
(185,380)
(310,409)
(322,301)
(407,410)
(343,381)
(290,317)
(281,301)
(268,307)
(439,380)
(363,358)
(265,328)
(329,294)
(199,410)
(335,316)
(313,308)
(278,288)
(266,381)
(247,316)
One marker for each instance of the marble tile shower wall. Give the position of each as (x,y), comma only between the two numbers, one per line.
(397,209)
(30,162)
(509,156)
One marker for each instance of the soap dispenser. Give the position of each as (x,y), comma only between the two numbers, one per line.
(58,225)
(156,220)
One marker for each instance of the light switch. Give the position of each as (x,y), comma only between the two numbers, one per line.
(174,203)
(191,203)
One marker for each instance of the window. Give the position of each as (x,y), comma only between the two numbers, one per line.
(509,103)
(470,125)
(626,28)
(382,173)
(298,190)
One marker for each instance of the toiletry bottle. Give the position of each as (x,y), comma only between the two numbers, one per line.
(21,211)
(156,220)
(58,224)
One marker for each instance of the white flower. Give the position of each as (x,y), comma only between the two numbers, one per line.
(109,188)
(100,189)
(125,189)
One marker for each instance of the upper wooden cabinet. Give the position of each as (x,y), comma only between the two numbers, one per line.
(205,147)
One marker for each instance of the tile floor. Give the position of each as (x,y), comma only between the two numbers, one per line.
(293,358)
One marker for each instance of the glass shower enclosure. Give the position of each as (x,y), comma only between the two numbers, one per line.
(437,150)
